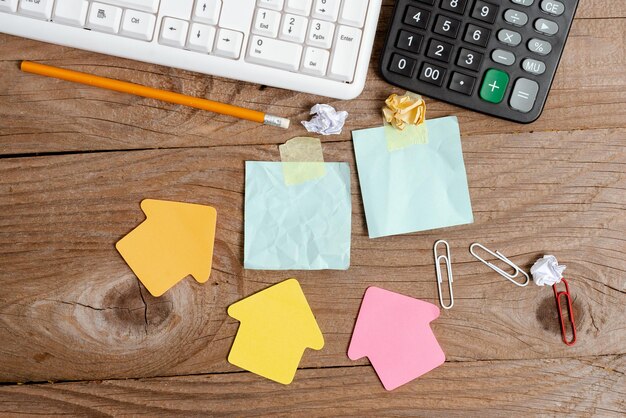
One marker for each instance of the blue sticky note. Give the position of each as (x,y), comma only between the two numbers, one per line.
(417,188)
(299,227)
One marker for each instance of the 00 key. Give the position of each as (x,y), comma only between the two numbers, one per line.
(432,74)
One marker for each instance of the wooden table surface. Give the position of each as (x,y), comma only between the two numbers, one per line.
(79,334)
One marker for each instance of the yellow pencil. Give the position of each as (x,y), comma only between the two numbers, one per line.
(152,93)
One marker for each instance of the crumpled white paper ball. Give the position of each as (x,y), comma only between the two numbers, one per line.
(546,271)
(327,121)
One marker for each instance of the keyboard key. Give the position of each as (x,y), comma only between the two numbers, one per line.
(429,2)
(523,2)
(353,12)
(416,17)
(402,65)
(173,32)
(228,44)
(201,38)
(266,23)
(315,61)
(484,11)
(321,34)
(477,35)
(553,7)
(539,46)
(546,27)
(137,25)
(432,74)
(326,9)
(345,54)
(150,6)
(274,53)
(533,66)
(207,11)
(301,7)
(509,37)
(8,6)
(439,50)
(70,12)
(409,41)
(503,57)
(294,28)
(462,83)
(469,59)
(494,86)
(105,18)
(270,4)
(447,27)
(41,9)
(456,6)
(524,95)
(515,17)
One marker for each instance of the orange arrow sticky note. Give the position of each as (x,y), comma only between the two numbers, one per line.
(175,240)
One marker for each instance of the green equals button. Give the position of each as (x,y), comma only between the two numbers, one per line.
(494,86)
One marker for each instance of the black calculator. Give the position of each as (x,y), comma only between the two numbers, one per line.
(495,57)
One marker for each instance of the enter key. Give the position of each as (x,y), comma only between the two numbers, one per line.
(345,54)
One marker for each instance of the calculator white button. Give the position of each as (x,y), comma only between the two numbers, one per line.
(524,95)
(345,53)
(266,23)
(201,38)
(503,57)
(509,37)
(515,17)
(326,9)
(270,4)
(539,46)
(173,32)
(41,9)
(71,12)
(321,34)
(138,25)
(274,53)
(353,12)
(553,7)
(294,28)
(315,61)
(207,11)
(523,2)
(8,6)
(104,17)
(301,7)
(546,26)
(228,43)
(150,6)
(533,66)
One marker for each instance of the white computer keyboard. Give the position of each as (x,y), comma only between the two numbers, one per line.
(315,46)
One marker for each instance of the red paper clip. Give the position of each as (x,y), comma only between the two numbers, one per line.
(570,312)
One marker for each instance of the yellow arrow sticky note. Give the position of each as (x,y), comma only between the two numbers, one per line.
(277,325)
(175,240)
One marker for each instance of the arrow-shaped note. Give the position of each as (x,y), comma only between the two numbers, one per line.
(175,240)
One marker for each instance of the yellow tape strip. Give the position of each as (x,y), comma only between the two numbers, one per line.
(303,160)
(410,135)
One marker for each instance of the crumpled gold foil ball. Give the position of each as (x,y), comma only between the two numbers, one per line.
(409,109)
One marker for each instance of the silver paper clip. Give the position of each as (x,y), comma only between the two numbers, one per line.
(497,269)
(446,258)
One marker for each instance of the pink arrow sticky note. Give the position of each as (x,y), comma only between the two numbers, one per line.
(393,331)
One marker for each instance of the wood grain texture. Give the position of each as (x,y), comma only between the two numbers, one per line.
(580,387)
(77,161)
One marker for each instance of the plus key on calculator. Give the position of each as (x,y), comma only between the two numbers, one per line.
(495,57)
